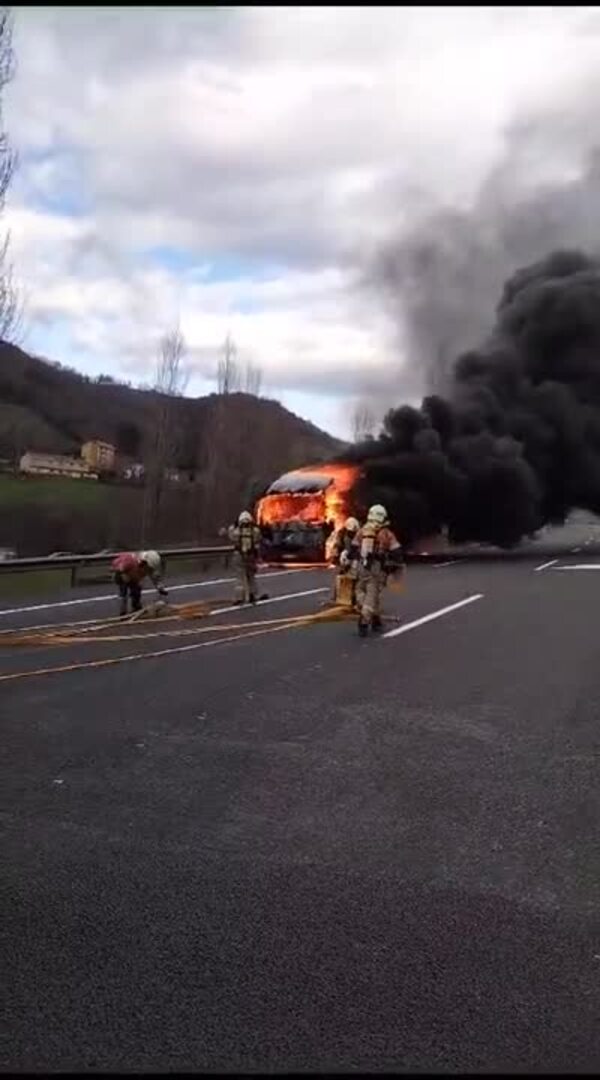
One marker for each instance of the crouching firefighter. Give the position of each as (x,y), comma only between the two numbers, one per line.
(130,568)
(245,537)
(343,556)
(379,553)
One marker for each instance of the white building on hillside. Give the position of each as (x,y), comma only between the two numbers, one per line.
(55,465)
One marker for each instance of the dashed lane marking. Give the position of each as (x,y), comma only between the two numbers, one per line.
(439,565)
(580,566)
(433,615)
(545,565)
(271,600)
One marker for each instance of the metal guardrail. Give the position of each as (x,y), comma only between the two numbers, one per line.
(74,563)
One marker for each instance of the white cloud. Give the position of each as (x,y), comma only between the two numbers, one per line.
(299,326)
(291,137)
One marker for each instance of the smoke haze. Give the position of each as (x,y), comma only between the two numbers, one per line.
(499,309)
(516,441)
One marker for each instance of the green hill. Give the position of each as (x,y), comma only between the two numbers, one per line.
(227,448)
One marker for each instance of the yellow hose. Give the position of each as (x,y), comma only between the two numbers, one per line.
(63,635)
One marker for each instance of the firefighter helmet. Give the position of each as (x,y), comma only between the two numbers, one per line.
(377,514)
(151,558)
(245,518)
(351,525)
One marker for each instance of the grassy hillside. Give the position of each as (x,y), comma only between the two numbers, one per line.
(228,449)
(17,492)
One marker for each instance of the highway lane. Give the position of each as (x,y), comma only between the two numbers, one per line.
(101,601)
(124,642)
(307,851)
(98,601)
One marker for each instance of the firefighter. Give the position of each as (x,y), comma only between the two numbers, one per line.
(130,568)
(246,538)
(342,554)
(378,554)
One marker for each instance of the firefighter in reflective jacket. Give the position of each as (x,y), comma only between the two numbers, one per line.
(130,568)
(342,555)
(245,537)
(379,553)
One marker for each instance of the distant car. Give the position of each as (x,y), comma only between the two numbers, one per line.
(61,554)
(6,554)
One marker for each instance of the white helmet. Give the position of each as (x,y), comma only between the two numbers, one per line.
(151,558)
(245,518)
(377,514)
(351,525)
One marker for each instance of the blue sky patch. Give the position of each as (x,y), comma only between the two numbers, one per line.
(208,266)
(53,181)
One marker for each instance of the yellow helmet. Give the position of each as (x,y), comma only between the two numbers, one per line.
(245,518)
(377,514)
(351,525)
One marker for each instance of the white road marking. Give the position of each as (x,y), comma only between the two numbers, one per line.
(247,632)
(230,609)
(450,562)
(106,599)
(545,565)
(580,566)
(434,615)
(272,600)
(575,551)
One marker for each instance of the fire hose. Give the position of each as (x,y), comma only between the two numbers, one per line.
(85,631)
(91,632)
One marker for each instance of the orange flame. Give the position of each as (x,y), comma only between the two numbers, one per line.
(334,504)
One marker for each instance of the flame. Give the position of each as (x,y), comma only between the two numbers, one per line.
(332,505)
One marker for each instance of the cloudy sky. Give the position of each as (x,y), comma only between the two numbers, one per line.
(238,170)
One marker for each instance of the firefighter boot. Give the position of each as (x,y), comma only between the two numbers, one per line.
(376,624)
(363,627)
(135,592)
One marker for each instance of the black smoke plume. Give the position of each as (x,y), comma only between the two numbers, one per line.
(515,442)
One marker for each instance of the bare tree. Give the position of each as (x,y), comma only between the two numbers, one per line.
(172,377)
(170,381)
(225,444)
(253,379)
(10,311)
(363,421)
(228,369)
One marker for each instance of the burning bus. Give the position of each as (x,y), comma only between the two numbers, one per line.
(300,510)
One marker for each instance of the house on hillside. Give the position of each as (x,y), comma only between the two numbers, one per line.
(99,456)
(33,464)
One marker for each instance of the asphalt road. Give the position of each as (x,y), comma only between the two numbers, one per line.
(303,851)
